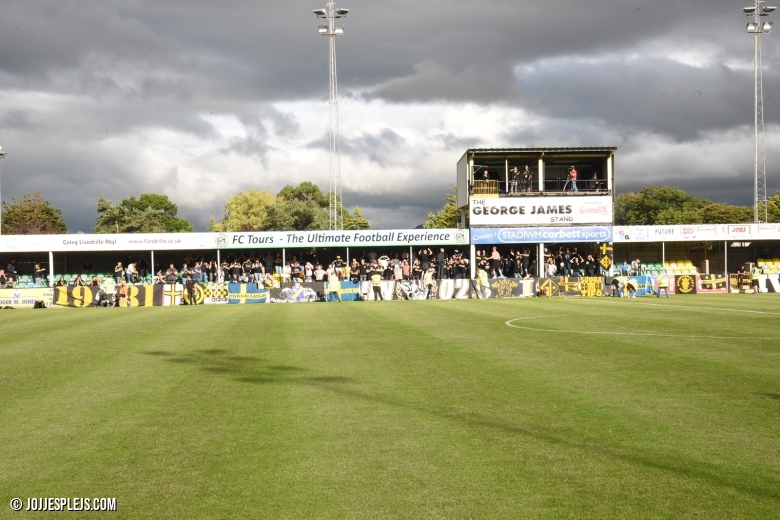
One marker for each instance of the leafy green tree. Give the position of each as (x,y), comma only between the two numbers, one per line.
(448,216)
(295,208)
(773,208)
(726,214)
(356,220)
(244,211)
(294,215)
(32,216)
(306,192)
(150,213)
(655,205)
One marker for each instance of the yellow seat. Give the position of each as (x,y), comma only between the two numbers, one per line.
(688,263)
(760,261)
(673,265)
(776,260)
(677,271)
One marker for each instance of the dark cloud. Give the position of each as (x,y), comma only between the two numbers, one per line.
(180,97)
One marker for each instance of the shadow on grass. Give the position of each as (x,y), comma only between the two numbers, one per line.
(771,396)
(246,369)
(255,370)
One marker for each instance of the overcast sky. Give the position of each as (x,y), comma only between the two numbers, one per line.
(200,99)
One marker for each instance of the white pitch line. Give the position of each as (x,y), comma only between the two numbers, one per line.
(611,333)
(609,302)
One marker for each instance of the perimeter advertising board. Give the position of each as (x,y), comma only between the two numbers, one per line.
(487,236)
(540,211)
(695,232)
(254,240)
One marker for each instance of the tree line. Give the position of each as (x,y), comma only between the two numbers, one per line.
(294,208)
(305,208)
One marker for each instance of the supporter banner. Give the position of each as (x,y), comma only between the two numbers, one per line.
(592,286)
(26,298)
(711,283)
(488,236)
(254,240)
(769,283)
(350,291)
(685,284)
(298,292)
(531,211)
(243,293)
(81,296)
(207,294)
(140,296)
(511,288)
(168,294)
(460,289)
(642,285)
(549,287)
(387,290)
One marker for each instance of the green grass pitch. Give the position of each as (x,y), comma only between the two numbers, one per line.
(586,408)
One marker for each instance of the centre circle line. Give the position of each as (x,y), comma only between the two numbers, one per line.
(510,323)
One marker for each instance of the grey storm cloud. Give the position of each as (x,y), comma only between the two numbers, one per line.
(80,77)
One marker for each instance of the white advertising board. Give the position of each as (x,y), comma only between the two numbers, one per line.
(248,240)
(697,232)
(539,211)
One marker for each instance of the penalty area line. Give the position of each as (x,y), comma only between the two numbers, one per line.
(510,323)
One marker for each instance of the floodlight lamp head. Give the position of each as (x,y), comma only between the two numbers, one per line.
(752,27)
(767,27)
(769,9)
(339,30)
(320,13)
(748,10)
(343,12)
(322,29)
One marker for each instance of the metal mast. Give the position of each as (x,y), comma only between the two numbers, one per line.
(757,28)
(335,208)
(2,154)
